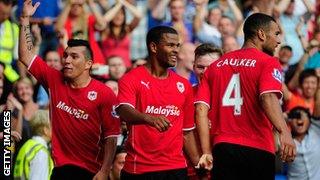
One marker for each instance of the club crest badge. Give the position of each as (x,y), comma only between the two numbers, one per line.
(180,87)
(92,95)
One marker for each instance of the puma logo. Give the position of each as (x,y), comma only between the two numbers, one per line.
(145,84)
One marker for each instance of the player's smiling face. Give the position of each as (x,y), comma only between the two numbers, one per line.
(167,50)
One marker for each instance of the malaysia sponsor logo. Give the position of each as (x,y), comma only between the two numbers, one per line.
(276,74)
(169,110)
(180,87)
(77,113)
(92,95)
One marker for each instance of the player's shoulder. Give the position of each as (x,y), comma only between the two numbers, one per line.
(134,74)
(100,87)
(179,79)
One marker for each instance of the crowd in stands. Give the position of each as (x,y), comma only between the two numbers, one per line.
(116,31)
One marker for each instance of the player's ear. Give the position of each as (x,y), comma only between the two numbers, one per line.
(89,63)
(153,47)
(261,34)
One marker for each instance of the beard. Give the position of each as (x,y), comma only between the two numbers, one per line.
(268,51)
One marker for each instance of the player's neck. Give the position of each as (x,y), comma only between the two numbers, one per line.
(157,71)
(300,137)
(79,82)
(252,44)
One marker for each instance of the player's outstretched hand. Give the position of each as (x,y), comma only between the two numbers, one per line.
(287,147)
(205,162)
(28,9)
(161,123)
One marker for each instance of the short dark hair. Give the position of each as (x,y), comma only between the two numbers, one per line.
(207,48)
(307,73)
(155,34)
(296,110)
(286,47)
(255,22)
(80,42)
(7,2)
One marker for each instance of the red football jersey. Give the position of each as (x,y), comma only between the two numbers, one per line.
(231,87)
(148,149)
(81,118)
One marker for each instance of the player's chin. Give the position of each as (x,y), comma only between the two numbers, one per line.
(67,75)
(172,63)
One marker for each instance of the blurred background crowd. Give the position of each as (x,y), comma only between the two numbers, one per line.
(116,31)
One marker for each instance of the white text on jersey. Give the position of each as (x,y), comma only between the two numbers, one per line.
(169,110)
(77,113)
(237,62)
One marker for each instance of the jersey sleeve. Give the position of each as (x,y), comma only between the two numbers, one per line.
(110,121)
(188,121)
(41,71)
(203,94)
(127,91)
(271,78)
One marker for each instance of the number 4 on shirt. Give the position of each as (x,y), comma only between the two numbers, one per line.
(236,101)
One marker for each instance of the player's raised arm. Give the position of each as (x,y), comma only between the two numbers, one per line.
(26,50)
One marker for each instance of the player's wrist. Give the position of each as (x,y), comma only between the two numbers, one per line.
(24,20)
(147,119)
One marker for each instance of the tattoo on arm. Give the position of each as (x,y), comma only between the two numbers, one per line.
(28,36)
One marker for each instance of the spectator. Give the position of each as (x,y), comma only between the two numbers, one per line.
(185,29)
(117,67)
(306,134)
(82,119)
(138,50)
(116,38)
(160,122)
(113,85)
(8,40)
(34,159)
(75,23)
(284,55)
(7,85)
(313,60)
(207,32)
(118,163)
(229,9)
(242,89)
(11,104)
(289,22)
(308,82)
(23,91)
(185,62)
(229,43)
(138,62)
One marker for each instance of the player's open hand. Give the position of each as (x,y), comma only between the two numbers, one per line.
(29,9)
(161,123)
(205,162)
(287,147)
